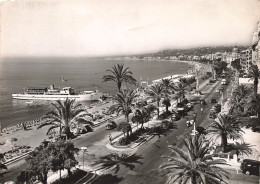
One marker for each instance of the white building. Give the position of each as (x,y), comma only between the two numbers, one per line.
(246,59)
(256,48)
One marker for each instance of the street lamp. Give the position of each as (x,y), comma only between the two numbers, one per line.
(194,131)
(84,149)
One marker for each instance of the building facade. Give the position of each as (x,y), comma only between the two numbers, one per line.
(256,49)
(246,59)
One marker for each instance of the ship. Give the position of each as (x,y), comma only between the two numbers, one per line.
(52,94)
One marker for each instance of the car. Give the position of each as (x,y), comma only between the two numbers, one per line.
(189,106)
(221,88)
(249,166)
(111,125)
(217,107)
(203,102)
(217,91)
(180,105)
(212,115)
(175,117)
(213,100)
(212,81)
(213,110)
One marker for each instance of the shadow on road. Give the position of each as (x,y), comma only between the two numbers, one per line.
(108,178)
(114,161)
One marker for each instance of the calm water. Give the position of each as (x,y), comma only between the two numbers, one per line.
(81,74)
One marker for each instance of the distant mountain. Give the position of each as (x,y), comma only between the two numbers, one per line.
(194,51)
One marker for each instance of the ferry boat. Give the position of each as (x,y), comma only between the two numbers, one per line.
(51,93)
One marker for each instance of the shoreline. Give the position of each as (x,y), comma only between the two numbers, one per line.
(33,137)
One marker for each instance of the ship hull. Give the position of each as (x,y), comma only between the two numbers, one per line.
(79,97)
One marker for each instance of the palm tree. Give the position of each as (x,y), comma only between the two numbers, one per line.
(254,73)
(167,102)
(242,148)
(156,92)
(254,104)
(119,75)
(168,85)
(226,127)
(125,127)
(124,103)
(238,100)
(236,66)
(192,164)
(180,88)
(143,114)
(241,91)
(237,105)
(114,161)
(65,116)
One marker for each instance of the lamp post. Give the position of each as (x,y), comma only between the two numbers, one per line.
(84,149)
(194,131)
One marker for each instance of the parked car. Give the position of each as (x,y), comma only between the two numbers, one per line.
(189,106)
(213,100)
(249,166)
(212,115)
(217,107)
(111,125)
(175,117)
(203,102)
(212,81)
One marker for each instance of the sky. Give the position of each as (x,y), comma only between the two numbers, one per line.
(78,28)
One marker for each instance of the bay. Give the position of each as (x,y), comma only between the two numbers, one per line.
(80,73)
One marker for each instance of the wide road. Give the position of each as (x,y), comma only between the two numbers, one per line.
(152,151)
(96,140)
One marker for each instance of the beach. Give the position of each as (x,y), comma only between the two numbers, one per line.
(32,137)
(80,74)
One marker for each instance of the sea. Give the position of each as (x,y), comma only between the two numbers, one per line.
(78,73)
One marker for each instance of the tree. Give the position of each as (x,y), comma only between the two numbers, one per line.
(53,157)
(114,161)
(192,164)
(237,106)
(254,74)
(63,153)
(143,114)
(236,66)
(180,88)
(119,75)
(238,99)
(219,66)
(65,116)
(241,148)
(226,127)
(254,104)
(125,127)
(156,92)
(168,85)
(2,166)
(40,164)
(167,102)
(25,177)
(241,91)
(124,103)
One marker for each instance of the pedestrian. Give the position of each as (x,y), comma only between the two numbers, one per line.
(110,138)
(201,109)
